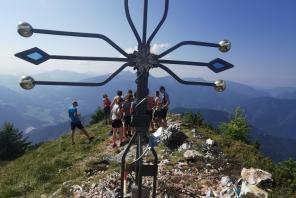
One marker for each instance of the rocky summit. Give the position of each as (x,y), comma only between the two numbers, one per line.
(198,168)
(193,161)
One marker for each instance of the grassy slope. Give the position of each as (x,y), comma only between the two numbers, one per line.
(45,168)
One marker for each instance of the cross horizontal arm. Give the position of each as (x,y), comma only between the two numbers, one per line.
(80,34)
(177,62)
(166,8)
(184,81)
(88,58)
(197,43)
(86,84)
(128,16)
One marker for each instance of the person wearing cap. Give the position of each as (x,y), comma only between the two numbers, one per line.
(74,116)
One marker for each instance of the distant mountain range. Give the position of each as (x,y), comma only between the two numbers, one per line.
(272,111)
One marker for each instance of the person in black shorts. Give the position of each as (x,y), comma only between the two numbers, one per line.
(116,115)
(157,108)
(149,109)
(126,107)
(74,115)
(165,106)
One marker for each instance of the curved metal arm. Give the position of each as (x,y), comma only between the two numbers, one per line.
(197,43)
(83,83)
(80,34)
(160,23)
(183,81)
(128,16)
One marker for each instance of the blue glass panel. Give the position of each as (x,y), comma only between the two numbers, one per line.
(218,65)
(35,56)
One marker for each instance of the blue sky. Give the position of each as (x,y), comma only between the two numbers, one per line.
(262,33)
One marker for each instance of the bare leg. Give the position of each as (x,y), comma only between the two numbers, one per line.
(120,135)
(124,131)
(72,136)
(114,136)
(152,126)
(85,133)
(129,130)
(165,122)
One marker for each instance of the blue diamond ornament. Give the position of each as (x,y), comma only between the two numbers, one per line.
(219,65)
(34,55)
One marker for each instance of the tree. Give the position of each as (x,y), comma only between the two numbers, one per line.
(193,119)
(284,175)
(238,127)
(12,142)
(97,116)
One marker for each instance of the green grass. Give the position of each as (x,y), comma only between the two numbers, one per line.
(45,168)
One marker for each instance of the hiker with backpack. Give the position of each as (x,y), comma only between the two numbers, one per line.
(127,115)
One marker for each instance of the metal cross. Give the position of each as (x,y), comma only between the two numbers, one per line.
(142,60)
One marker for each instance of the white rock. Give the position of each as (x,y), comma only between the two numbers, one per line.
(252,189)
(43,196)
(255,176)
(209,142)
(191,154)
(210,194)
(224,181)
(184,146)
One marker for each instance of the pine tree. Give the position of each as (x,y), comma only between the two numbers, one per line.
(97,116)
(12,142)
(238,127)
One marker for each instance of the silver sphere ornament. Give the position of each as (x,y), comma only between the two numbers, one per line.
(27,82)
(220,85)
(25,29)
(225,45)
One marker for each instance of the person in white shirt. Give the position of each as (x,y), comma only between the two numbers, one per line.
(116,115)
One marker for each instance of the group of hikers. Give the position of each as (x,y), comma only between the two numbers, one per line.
(121,111)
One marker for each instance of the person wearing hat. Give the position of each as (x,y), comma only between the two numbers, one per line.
(74,116)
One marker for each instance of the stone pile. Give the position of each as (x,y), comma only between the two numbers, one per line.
(201,171)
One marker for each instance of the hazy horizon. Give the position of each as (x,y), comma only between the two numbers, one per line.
(261,32)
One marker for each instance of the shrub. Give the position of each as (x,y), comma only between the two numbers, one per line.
(285,175)
(193,119)
(12,142)
(238,127)
(97,116)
